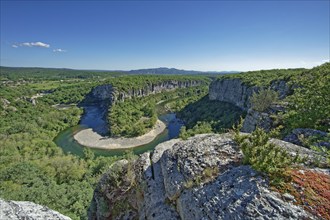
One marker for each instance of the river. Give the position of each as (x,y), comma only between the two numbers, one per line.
(92,119)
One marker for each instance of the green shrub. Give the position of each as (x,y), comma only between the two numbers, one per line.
(262,100)
(264,156)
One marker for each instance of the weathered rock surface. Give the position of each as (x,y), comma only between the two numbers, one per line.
(188,159)
(282,88)
(255,119)
(262,120)
(297,136)
(12,210)
(238,93)
(200,178)
(233,91)
(238,193)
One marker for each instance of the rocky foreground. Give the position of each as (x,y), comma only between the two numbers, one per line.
(14,210)
(201,178)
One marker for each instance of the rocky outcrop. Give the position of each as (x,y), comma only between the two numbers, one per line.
(256,119)
(238,93)
(262,120)
(282,88)
(200,178)
(13,210)
(300,135)
(239,193)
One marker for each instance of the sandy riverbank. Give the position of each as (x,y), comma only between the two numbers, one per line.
(89,138)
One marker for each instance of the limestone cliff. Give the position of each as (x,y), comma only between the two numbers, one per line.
(233,91)
(18,210)
(112,94)
(238,93)
(201,178)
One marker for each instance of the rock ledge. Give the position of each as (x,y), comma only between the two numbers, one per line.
(200,178)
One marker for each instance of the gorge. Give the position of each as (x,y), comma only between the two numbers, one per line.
(197,176)
(93,130)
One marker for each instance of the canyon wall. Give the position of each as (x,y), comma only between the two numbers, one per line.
(238,93)
(109,93)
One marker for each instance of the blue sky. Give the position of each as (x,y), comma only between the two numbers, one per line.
(199,35)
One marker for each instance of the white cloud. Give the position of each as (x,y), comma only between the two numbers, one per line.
(31,44)
(59,50)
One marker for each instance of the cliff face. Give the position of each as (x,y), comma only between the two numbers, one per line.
(233,91)
(200,178)
(110,93)
(238,93)
(13,210)
(103,92)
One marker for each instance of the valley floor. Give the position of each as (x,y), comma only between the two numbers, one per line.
(89,138)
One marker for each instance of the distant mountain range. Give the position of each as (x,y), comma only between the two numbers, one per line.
(164,70)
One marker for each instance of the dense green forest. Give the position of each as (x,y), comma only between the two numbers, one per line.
(32,167)
(309,106)
(264,77)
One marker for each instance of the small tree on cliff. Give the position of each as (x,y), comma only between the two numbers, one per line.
(263,99)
